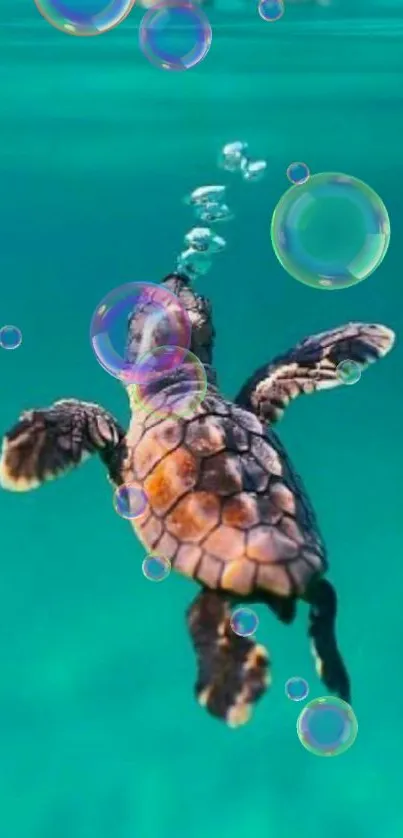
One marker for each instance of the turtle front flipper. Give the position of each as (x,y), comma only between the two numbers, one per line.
(311,366)
(329,663)
(48,442)
(233,671)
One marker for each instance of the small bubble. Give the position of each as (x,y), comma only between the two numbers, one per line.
(130,501)
(271,10)
(212,212)
(156,568)
(193,263)
(296,689)
(327,726)
(298,173)
(204,240)
(10,337)
(206,195)
(244,622)
(254,170)
(348,372)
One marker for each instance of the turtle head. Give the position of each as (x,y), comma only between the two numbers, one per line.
(167,311)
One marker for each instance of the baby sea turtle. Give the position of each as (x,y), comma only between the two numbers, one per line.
(225,505)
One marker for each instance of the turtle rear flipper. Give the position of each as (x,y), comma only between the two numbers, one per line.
(233,671)
(329,663)
(48,442)
(311,366)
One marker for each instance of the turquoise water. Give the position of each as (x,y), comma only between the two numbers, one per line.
(100,736)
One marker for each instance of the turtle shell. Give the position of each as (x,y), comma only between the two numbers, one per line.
(224,503)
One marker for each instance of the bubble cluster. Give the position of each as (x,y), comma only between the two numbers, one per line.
(84,17)
(193,263)
(213,212)
(175,35)
(169,381)
(327,726)
(204,240)
(10,337)
(271,10)
(298,173)
(296,689)
(130,501)
(348,372)
(156,568)
(244,622)
(234,157)
(163,316)
(331,232)
(203,195)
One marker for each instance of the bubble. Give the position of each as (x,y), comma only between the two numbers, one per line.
(330,232)
(165,316)
(193,263)
(213,211)
(271,10)
(169,380)
(84,17)
(156,568)
(204,240)
(298,173)
(10,337)
(327,726)
(296,689)
(175,35)
(130,501)
(254,170)
(348,372)
(232,156)
(206,195)
(244,622)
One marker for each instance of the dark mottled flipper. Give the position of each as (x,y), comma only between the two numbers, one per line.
(311,366)
(322,631)
(46,443)
(233,672)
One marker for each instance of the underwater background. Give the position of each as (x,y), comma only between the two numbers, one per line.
(100,736)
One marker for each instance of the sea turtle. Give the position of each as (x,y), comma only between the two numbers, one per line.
(224,503)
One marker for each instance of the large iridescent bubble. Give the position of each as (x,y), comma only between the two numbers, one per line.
(330,232)
(169,381)
(327,726)
(84,17)
(175,35)
(162,321)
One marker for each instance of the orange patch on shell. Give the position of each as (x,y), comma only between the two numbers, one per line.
(238,576)
(155,443)
(194,517)
(170,479)
(226,543)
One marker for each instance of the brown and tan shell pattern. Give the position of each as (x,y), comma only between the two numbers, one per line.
(224,504)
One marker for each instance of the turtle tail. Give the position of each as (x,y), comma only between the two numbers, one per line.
(233,671)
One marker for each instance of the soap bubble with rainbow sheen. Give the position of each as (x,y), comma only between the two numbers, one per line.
(298,173)
(348,372)
(156,568)
(175,35)
(170,381)
(130,501)
(244,621)
(10,337)
(161,316)
(296,688)
(327,726)
(84,17)
(271,10)
(331,232)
